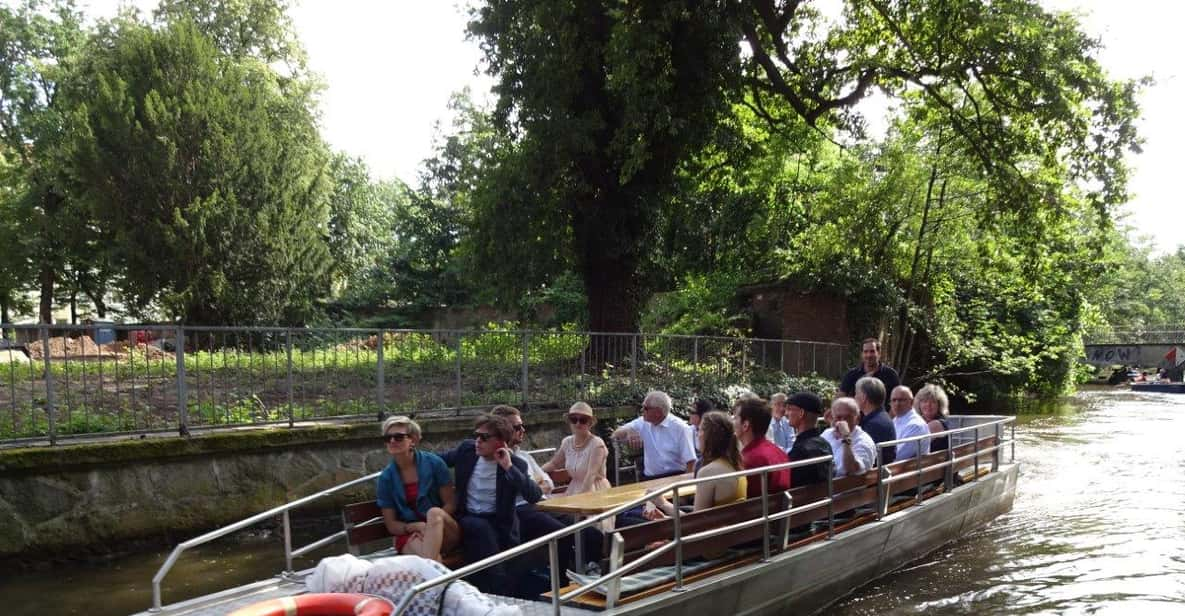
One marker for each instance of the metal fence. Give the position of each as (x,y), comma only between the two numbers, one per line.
(60,380)
(1159,335)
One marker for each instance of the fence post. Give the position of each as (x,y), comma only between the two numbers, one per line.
(381,385)
(695,352)
(182,386)
(634,359)
(526,367)
(50,409)
(460,386)
(291,401)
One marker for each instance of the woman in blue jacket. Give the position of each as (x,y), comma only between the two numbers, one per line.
(416,494)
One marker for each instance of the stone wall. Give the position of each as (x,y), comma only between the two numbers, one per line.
(91,499)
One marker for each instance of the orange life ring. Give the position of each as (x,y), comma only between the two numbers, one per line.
(320,604)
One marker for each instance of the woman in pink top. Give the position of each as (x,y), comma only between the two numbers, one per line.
(580,456)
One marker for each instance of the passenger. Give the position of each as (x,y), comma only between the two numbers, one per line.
(582,455)
(781,433)
(870,396)
(803,408)
(696,413)
(493,486)
(933,405)
(750,418)
(721,456)
(908,423)
(664,438)
(870,366)
(538,475)
(854,450)
(416,494)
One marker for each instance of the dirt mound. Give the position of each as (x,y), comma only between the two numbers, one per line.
(124,347)
(82,347)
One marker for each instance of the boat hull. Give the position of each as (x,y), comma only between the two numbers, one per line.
(809,578)
(1159,388)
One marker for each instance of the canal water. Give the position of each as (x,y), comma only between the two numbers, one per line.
(1098,527)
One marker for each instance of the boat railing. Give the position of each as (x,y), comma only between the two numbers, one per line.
(551,540)
(284,511)
(886,480)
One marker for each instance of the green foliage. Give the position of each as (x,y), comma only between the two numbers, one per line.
(187,156)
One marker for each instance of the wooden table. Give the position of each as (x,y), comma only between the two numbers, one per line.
(592,503)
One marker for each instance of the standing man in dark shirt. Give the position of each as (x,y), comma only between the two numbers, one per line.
(870,354)
(870,397)
(803,409)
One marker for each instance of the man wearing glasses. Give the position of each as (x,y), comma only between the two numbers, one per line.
(907,422)
(538,475)
(491,484)
(665,439)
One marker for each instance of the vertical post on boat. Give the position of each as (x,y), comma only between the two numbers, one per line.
(996,449)
(287,543)
(553,556)
(919,470)
(678,541)
(880,485)
(976,477)
(948,482)
(1012,441)
(765,515)
(831,498)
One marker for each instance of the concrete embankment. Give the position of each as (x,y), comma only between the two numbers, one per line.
(94,498)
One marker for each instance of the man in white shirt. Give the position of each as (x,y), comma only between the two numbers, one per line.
(665,439)
(538,475)
(780,432)
(908,423)
(853,449)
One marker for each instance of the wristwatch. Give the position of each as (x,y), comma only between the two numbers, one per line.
(847,440)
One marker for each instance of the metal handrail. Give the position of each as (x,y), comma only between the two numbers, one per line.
(241,524)
(573,529)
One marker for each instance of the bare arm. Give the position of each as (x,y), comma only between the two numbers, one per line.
(391,521)
(448,498)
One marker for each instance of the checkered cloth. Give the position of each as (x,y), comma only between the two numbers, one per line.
(393,577)
(650,578)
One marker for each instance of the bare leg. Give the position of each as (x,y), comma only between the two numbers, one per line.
(442,532)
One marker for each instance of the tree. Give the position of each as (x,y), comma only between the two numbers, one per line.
(208,178)
(605,99)
(38,41)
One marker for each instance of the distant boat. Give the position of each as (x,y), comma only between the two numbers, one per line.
(1162,387)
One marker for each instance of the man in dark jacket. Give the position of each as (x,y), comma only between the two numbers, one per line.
(803,409)
(870,396)
(492,484)
(870,365)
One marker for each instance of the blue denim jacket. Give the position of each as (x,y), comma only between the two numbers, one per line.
(433,474)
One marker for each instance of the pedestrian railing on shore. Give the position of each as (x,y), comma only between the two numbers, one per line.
(59,381)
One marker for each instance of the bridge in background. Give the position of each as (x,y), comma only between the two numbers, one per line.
(1151,348)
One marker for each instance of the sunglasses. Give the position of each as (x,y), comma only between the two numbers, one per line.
(578,419)
(520,428)
(397,437)
(483,436)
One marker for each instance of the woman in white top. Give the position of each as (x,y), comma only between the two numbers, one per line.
(580,456)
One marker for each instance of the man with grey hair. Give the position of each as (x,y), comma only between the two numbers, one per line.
(664,438)
(908,423)
(870,396)
(781,432)
(852,448)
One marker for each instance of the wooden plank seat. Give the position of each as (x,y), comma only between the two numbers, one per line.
(364,525)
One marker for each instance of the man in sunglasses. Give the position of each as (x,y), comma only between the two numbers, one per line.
(491,484)
(538,475)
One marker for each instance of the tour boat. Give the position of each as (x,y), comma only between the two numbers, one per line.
(1160,387)
(797,550)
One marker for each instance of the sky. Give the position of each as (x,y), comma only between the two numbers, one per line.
(391,65)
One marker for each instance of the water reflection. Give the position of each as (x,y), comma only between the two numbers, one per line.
(1098,525)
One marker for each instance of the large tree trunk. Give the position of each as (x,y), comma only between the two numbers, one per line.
(47,278)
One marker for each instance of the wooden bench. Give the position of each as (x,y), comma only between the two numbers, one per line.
(364,525)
